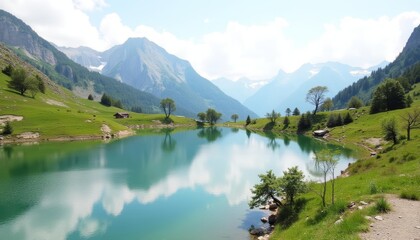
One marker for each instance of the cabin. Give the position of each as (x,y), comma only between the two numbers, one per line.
(121,115)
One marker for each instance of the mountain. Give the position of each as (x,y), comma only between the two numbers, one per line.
(364,87)
(30,47)
(241,89)
(288,90)
(148,67)
(84,56)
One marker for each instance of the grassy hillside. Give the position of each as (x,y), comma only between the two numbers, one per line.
(395,169)
(58,113)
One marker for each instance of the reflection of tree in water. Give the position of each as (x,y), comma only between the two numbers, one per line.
(248,133)
(210,133)
(273,144)
(286,140)
(8,151)
(309,145)
(234,130)
(168,144)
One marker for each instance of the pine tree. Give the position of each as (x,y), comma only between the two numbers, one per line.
(348,119)
(8,129)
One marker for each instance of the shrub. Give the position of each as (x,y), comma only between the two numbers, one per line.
(8,129)
(409,195)
(373,189)
(382,206)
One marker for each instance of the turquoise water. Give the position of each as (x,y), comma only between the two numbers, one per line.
(186,185)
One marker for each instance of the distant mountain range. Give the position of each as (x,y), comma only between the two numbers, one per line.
(241,89)
(364,87)
(288,90)
(148,67)
(139,72)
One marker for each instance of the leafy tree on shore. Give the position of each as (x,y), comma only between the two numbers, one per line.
(202,116)
(388,96)
(272,116)
(212,116)
(234,117)
(168,106)
(390,130)
(292,183)
(355,102)
(316,96)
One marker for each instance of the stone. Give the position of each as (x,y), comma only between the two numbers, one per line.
(338,221)
(272,207)
(264,219)
(379,218)
(368,217)
(363,203)
(360,207)
(418,227)
(272,219)
(351,205)
(257,231)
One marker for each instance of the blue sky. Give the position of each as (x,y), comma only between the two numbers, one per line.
(232,38)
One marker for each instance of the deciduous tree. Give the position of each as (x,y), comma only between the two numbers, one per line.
(355,102)
(234,117)
(388,96)
(272,116)
(390,130)
(411,120)
(168,106)
(316,96)
(212,116)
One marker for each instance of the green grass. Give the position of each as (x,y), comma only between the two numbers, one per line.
(59,113)
(382,206)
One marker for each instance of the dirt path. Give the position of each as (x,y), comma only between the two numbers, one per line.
(403,222)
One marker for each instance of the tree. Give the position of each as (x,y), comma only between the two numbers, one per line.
(32,85)
(355,102)
(212,116)
(408,100)
(234,117)
(292,183)
(106,100)
(388,96)
(202,116)
(286,121)
(327,105)
(288,112)
(296,112)
(347,119)
(8,129)
(248,121)
(411,121)
(268,188)
(168,106)
(90,97)
(18,81)
(272,116)
(316,96)
(41,84)
(137,109)
(117,104)
(325,162)
(8,70)
(304,123)
(390,129)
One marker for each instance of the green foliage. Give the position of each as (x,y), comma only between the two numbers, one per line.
(316,96)
(8,70)
(410,195)
(382,206)
(373,189)
(268,188)
(117,104)
(292,183)
(390,130)
(41,84)
(8,129)
(355,102)
(304,123)
(347,119)
(168,106)
(296,112)
(408,101)
(248,120)
(106,100)
(90,97)
(286,121)
(202,116)
(272,116)
(288,112)
(334,120)
(234,117)
(411,121)
(327,105)
(18,81)
(388,96)
(212,116)
(137,109)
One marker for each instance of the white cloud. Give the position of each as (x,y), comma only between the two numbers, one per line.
(253,51)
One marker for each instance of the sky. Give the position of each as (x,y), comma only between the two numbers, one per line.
(232,38)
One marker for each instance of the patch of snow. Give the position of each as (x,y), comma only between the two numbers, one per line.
(98,68)
(313,72)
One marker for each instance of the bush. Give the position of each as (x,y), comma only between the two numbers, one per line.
(382,206)
(373,189)
(90,97)
(409,195)
(8,129)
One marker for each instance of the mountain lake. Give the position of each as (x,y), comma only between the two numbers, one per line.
(191,184)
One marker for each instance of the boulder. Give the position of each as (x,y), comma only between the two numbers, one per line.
(272,219)
(379,218)
(272,207)
(257,231)
(264,219)
(320,133)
